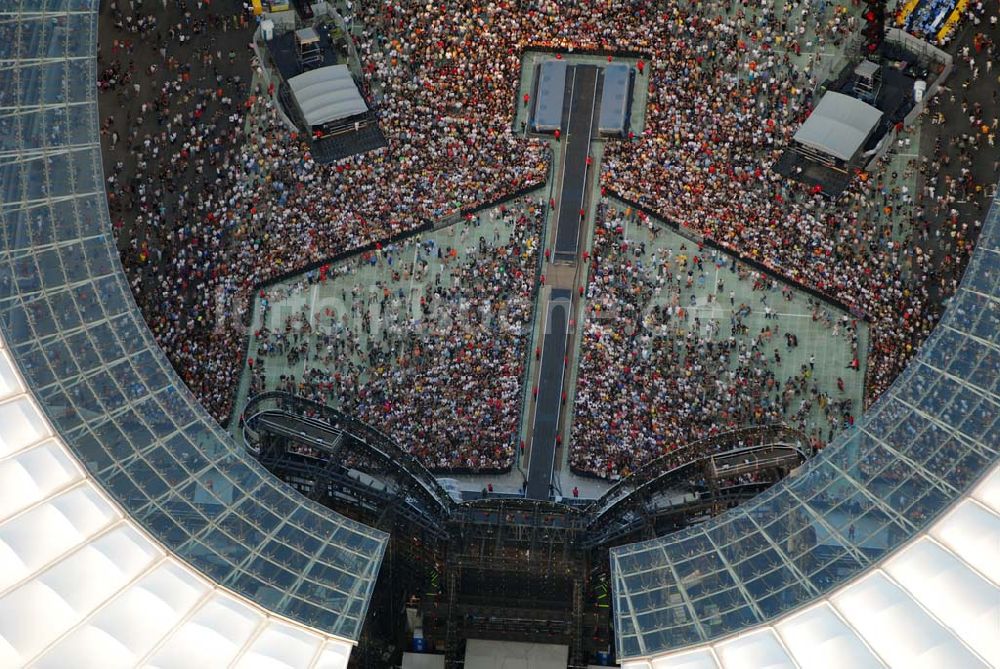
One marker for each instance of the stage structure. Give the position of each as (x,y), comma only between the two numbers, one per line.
(863,108)
(307,48)
(839,138)
(721,472)
(327,95)
(616,100)
(315,90)
(836,131)
(868,81)
(550,96)
(555,83)
(483,654)
(496,569)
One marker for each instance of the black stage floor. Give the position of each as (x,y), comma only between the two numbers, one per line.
(583,108)
(832,182)
(350,143)
(284,53)
(548,404)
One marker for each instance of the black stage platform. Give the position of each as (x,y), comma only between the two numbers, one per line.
(284,53)
(574,182)
(793,165)
(350,142)
(548,404)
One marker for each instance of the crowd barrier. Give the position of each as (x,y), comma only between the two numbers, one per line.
(769,270)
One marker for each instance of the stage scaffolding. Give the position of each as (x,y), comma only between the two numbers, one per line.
(509,569)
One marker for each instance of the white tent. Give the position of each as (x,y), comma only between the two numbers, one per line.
(839,125)
(486,654)
(327,94)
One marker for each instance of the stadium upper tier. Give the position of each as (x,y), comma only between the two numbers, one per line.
(877,488)
(74,332)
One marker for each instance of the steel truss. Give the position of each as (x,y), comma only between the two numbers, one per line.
(501,568)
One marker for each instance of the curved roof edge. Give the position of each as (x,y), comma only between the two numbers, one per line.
(891,481)
(80,579)
(934,603)
(92,367)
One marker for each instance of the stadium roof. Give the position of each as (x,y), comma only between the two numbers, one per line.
(839,125)
(935,603)
(81,580)
(327,94)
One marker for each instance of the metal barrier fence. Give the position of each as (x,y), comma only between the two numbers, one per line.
(775,434)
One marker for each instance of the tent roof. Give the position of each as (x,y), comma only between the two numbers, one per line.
(327,94)
(839,125)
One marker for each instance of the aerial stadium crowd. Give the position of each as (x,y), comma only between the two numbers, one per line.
(655,375)
(212,195)
(434,355)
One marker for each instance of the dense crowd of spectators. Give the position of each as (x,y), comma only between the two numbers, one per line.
(213,195)
(433,355)
(228,197)
(711,171)
(655,376)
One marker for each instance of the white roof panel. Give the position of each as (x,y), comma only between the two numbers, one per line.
(697,659)
(819,639)
(988,491)
(333,656)
(110,562)
(839,125)
(972,532)
(33,475)
(31,540)
(212,636)
(759,649)
(327,94)
(958,596)
(10,383)
(164,595)
(280,645)
(22,425)
(898,629)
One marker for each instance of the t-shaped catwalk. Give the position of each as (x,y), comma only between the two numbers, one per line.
(581,116)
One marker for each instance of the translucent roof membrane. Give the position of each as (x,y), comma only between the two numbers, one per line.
(79,579)
(933,603)
(923,444)
(76,335)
